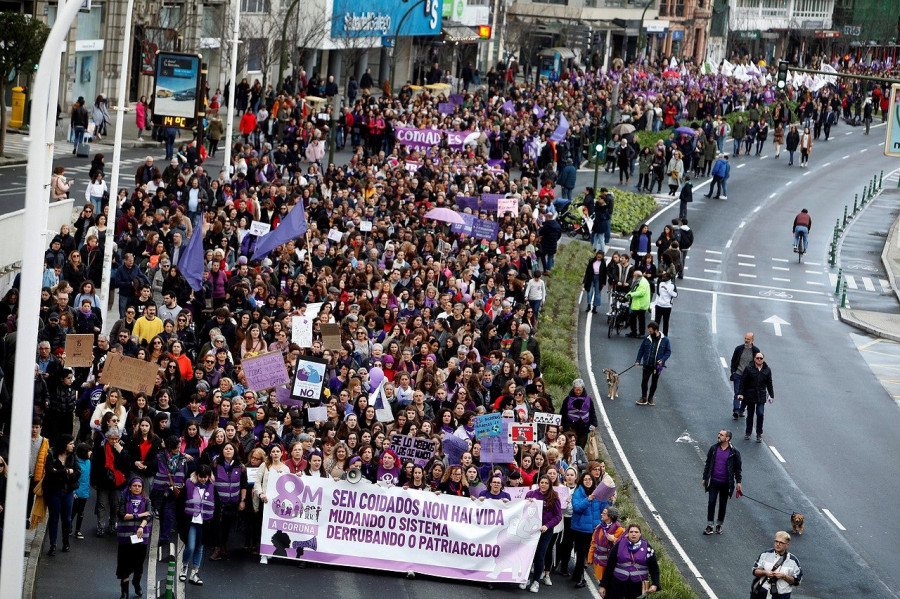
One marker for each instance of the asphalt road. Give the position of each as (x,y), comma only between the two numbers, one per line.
(831,413)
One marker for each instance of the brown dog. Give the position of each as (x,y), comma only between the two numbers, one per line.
(797,523)
(612,382)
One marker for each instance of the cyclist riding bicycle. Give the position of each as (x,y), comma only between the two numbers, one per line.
(802,225)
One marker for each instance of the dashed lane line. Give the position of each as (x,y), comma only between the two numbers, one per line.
(778,456)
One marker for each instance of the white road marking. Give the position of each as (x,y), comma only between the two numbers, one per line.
(815,283)
(851,282)
(746,256)
(758,297)
(789,182)
(780,279)
(634,477)
(812,263)
(772,195)
(780,268)
(757,209)
(881,144)
(849,133)
(806,173)
(754,285)
(724,363)
(742,274)
(741,226)
(714,329)
(845,157)
(832,278)
(714,260)
(742,165)
(813,272)
(777,455)
(763,157)
(713,252)
(830,517)
(728,245)
(864,150)
(867,283)
(885,285)
(715,272)
(776,322)
(827,164)
(779,260)
(751,265)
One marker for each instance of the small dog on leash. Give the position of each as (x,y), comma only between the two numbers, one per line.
(796,523)
(612,383)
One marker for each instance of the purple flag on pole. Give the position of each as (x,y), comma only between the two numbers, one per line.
(561,129)
(538,111)
(509,107)
(191,262)
(293,226)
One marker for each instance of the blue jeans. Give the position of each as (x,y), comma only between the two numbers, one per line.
(549,260)
(736,405)
(720,142)
(801,231)
(79,135)
(791,156)
(537,571)
(193,549)
(536,306)
(759,410)
(123,304)
(60,504)
(737,147)
(595,293)
(723,186)
(605,228)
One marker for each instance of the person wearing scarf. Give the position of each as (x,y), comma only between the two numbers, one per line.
(631,564)
(605,536)
(135,521)
(109,462)
(454,482)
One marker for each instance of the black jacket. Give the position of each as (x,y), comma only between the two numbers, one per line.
(589,274)
(733,464)
(56,480)
(755,383)
(736,357)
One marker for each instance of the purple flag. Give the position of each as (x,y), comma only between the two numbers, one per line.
(561,130)
(293,226)
(457,99)
(191,262)
(509,107)
(446,108)
(538,111)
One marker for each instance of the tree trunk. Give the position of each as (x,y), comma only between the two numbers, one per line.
(2,114)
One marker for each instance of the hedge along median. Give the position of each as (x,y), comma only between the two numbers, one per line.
(558,335)
(630,210)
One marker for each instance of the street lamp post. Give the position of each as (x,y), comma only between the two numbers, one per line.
(40,156)
(229,123)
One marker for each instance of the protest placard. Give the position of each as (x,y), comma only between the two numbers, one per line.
(498,449)
(265,371)
(510,205)
(603,491)
(365,226)
(309,378)
(331,336)
(130,374)
(517,493)
(302,331)
(339,523)
(521,433)
(335,235)
(317,414)
(547,418)
(488,425)
(283,397)
(413,449)
(259,228)
(79,351)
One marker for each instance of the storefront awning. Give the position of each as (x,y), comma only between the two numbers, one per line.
(456,32)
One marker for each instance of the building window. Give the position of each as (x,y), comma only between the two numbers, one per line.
(562,2)
(256,48)
(255,6)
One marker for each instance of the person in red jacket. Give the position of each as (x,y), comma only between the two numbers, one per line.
(247,124)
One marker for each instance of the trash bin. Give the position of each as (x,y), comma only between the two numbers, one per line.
(18,108)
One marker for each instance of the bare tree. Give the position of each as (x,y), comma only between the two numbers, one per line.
(360,33)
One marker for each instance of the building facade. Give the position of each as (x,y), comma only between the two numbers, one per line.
(780,29)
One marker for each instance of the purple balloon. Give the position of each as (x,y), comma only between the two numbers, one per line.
(376,375)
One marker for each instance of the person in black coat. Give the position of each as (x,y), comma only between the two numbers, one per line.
(549,233)
(109,467)
(61,474)
(595,276)
(756,384)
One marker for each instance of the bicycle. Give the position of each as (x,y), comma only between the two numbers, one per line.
(801,248)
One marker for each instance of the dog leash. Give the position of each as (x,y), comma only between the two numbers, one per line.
(765,504)
(626,370)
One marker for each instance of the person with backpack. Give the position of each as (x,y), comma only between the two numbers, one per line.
(831,120)
(686,240)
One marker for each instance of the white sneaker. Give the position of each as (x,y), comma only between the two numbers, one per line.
(183,576)
(195,578)
(723,198)
(535,587)
(523,585)
(546,580)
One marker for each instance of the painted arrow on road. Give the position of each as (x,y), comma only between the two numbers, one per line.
(777,322)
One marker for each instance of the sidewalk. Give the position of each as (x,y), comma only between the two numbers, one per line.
(877,315)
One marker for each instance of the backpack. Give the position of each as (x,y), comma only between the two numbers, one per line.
(687,239)
(832,118)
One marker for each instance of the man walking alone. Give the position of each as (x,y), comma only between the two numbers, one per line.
(720,475)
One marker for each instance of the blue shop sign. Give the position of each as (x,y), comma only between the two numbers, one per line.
(382,18)
(677,35)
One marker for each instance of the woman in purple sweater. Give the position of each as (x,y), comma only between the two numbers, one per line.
(550,517)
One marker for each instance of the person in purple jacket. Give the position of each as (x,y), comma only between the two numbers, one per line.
(135,520)
(550,517)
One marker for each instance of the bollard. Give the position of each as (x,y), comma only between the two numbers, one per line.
(837,288)
(831,257)
(837,228)
(855,207)
(881,180)
(845,215)
(855,198)
(170,581)
(844,296)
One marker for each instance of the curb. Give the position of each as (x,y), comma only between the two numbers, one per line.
(886,258)
(32,558)
(848,316)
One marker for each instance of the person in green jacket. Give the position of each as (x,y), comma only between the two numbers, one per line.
(640,303)
(738,132)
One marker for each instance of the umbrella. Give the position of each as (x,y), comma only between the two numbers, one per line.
(446,215)
(685,130)
(623,128)
(670,73)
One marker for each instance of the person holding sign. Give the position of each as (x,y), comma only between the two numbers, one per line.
(550,517)
(586,516)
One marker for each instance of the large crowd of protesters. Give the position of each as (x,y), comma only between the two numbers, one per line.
(446,319)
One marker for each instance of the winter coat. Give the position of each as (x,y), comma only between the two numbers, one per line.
(756,383)
(567,177)
(586,513)
(588,280)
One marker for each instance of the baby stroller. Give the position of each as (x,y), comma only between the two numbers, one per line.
(619,309)
(572,220)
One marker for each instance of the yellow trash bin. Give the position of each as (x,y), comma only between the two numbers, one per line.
(18,108)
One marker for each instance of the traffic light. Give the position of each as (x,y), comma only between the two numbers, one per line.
(598,148)
(782,73)
(484,32)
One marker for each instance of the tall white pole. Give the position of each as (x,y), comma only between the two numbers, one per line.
(106,291)
(229,123)
(40,154)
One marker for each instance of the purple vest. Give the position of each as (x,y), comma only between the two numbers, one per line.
(204,505)
(134,505)
(602,544)
(228,482)
(632,567)
(581,414)
(161,478)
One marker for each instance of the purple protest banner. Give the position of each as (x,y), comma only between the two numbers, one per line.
(425,138)
(464,229)
(446,108)
(497,163)
(485,229)
(467,202)
(490,201)
(457,99)
(498,449)
(336,522)
(265,371)
(283,397)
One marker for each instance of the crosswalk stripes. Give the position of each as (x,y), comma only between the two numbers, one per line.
(868,283)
